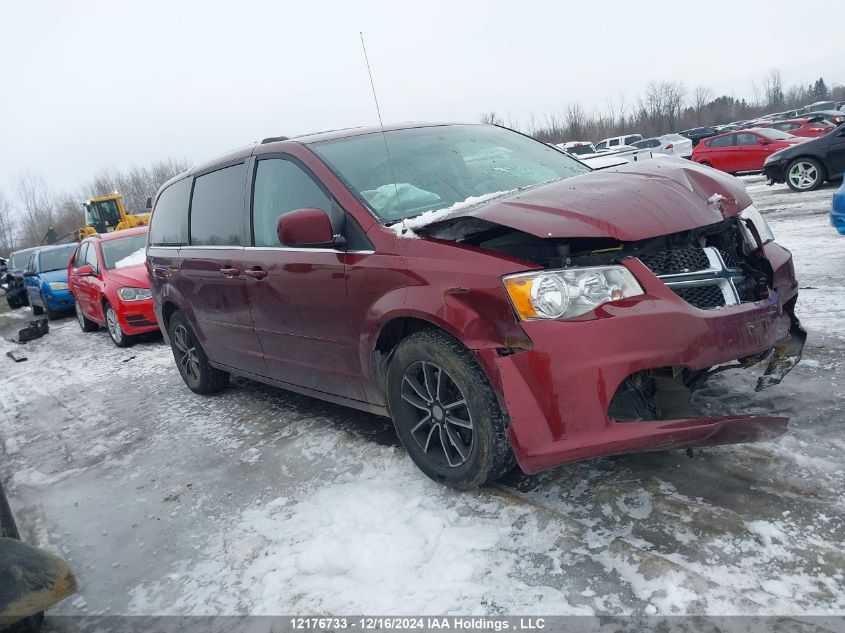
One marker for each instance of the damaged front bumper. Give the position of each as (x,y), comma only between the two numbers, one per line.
(558,394)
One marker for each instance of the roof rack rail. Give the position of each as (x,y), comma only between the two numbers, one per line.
(274,139)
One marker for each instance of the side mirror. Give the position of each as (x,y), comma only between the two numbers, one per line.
(86,270)
(763,141)
(29,273)
(307,228)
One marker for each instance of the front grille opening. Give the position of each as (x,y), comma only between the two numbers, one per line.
(676,262)
(663,393)
(702,297)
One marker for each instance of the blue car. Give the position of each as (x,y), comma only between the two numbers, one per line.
(837,212)
(45,280)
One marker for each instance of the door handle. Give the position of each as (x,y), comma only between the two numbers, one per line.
(230,272)
(256,273)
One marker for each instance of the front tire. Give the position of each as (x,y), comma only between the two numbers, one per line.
(198,374)
(52,315)
(446,413)
(805,174)
(118,336)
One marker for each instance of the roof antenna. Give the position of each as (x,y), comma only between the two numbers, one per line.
(381,125)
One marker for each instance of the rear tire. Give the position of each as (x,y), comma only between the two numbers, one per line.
(805,174)
(198,374)
(118,336)
(446,413)
(85,324)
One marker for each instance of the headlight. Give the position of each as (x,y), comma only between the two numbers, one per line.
(134,294)
(562,294)
(753,216)
(771,158)
(58,285)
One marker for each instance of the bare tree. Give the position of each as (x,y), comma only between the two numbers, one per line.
(36,200)
(490,118)
(774,89)
(701,96)
(137,184)
(7,226)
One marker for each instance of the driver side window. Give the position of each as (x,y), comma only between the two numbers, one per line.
(282,186)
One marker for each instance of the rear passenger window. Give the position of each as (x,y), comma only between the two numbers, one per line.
(217,208)
(722,141)
(613,142)
(282,186)
(169,224)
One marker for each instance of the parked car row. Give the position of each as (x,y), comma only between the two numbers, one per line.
(102,278)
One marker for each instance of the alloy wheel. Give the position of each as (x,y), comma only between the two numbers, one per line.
(187,353)
(803,175)
(443,427)
(112,324)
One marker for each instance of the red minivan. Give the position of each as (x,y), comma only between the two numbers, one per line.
(493,295)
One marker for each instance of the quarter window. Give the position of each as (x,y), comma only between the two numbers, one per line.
(79,258)
(282,186)
(91,258)
(169,224)
(217,208)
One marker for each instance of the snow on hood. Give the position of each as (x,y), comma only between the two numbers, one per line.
(405,228)
(133,259)
(628,203)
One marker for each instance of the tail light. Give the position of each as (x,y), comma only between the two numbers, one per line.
(669,146)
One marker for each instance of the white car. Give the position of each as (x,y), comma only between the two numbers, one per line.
(617,141)
(669,144)
(577,148)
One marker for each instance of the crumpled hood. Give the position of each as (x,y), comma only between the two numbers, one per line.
(628,203)
(130,276)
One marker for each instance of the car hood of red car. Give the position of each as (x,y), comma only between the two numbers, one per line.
(130,276)
(628,203)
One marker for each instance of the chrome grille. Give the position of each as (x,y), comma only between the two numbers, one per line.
(712,282)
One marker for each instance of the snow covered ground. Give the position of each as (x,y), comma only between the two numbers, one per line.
(263,502)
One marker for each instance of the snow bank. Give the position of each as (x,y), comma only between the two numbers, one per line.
(134,259)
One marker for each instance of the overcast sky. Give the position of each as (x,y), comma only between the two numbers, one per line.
(91,84)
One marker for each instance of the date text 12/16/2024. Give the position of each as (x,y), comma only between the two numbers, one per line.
(454,623)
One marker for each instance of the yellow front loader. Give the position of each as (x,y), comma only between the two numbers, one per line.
(107,213)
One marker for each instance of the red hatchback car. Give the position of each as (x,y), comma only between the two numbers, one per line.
(811,127)
(743,150)
(494,296)
(109,281)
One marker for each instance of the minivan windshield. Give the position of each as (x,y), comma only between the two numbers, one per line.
(55,259)
(436,167)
